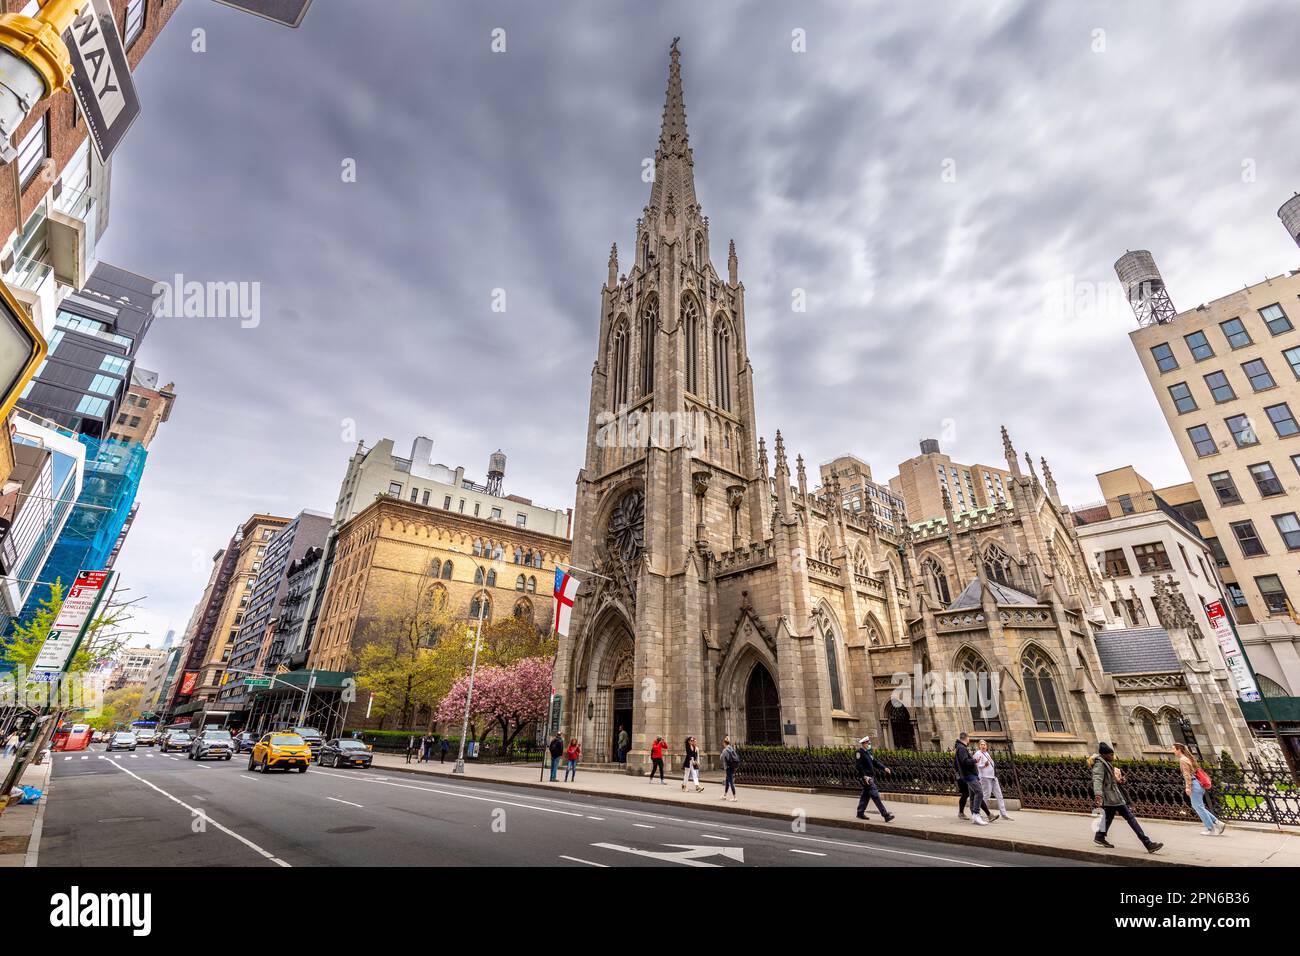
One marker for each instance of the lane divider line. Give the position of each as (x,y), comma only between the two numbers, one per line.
(453,793)
(576,859)
(348,802)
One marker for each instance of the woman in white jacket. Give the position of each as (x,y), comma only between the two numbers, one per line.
(989,780)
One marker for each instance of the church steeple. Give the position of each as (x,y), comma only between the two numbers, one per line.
(674,185)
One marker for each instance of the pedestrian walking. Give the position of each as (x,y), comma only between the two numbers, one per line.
(990,789)
(657,760)
(730,761)
(443,748)
(691,765)
(1195,783)
(556,750)
(426,753)
(623,742)
(1108,792)
(410,748)
(869,768)
(573,753)
(968,773)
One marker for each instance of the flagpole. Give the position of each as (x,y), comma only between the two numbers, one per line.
(574,567)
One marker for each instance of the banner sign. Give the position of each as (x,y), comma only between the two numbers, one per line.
(188,681)
(1233,655)
(70,624)
(557,701)
(101,77)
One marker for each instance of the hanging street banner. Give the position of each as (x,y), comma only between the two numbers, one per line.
(187,683)
(69,627)
(287,12)
(1233,655)
(101,77)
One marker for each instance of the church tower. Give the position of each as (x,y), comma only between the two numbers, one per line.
(671,471)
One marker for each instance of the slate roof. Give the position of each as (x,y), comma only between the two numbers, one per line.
(1136,650)
(1001,594)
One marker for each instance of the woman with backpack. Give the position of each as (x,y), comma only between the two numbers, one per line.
(1195,784)
(730,761)
(691,764)
(573,754)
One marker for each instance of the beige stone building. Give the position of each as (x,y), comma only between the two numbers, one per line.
(148,404)
(395,552)
(722,596)
(922,481)
(862,494)
(1226,376)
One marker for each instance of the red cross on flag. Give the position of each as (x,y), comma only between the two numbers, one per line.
(566,586)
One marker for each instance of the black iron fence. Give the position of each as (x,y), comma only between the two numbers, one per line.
(1256,792)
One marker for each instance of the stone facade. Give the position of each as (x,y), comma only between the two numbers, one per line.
(721,597)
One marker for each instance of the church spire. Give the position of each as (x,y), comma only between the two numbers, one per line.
(674,183)
(673,140)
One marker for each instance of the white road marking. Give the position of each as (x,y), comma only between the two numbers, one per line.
(348,802)
(710,836)
(643,826)
(687,854)
(588,862)
(224,829)
(452,793)
(595,818)
(85,757)
(808,852)
(173,758)
(68,757)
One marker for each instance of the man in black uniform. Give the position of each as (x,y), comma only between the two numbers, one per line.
(868,769)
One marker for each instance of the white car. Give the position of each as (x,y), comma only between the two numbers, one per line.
(146,738)
(122,740)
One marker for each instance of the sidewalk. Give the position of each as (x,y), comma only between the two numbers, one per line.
(1047,832)
(20,834)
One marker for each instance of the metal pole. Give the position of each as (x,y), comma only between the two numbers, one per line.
(311,684)
(469,691)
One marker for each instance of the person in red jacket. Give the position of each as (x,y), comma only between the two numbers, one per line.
(573,754)
(657,760)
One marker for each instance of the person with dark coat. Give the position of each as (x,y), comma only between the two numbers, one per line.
(691,764)
(412,747)
(442,749)
(427,754)
(869,768)
(556,750)
(968,779)
(1108,792)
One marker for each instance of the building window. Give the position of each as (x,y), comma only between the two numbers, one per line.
(1182,396)
(1202,441)
(478,548)
(446,503)
(476,504)
(619,359)
(1226,488)
(532,584)
(1235,594)
(1266,479)
(1289,528)
(521,520)
(424,499)
(1243,431)
(1164,356)
(480,606)
(833,668)
(1275,319)
(415,493)
(519,583)
(649,335)
(1149,729)
(1116,563)
(1219,387)
(938,581)
(1151,557)
(722,363)
(478,574)
(460,506)
(1125,504)
(1247,539)
(134,23)
(691,319)
(1258,374)
(985,712)
(1273,593)
(33,150)
(395,489)
(118,366)
(1199,346)
(1283,421)
(104,385)
(446,571)
(1235,333)
(1040,689)
(496,514)
(92,406)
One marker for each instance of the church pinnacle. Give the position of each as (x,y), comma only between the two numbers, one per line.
(674,181)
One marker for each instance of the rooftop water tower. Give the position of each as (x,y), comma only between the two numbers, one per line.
(496,472)
(1145,288)
(1290,216)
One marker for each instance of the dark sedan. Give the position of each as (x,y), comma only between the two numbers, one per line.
(244,742)
(344,753)
(176,740)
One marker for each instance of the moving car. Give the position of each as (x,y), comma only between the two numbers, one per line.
(122,740)
(146,737)
(345,752)
(211,742)
(244,741)
(176,740)
(281,748)
(315,739)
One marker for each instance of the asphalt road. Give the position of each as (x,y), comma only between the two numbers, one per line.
(153,809)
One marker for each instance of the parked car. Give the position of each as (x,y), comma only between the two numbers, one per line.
(315,739)
(282,748)
(176,740)
(344,752)
(122,740)
(244,741)
(99,737)
(212,742)
(146,737)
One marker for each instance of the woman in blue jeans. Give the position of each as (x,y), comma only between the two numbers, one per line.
(1188,765)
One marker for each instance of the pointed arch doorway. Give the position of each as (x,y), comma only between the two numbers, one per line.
(762,708)
(902,731)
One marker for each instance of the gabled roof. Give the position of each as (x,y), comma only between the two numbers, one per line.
(973,595)
(1136,650)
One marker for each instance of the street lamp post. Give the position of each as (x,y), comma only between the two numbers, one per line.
(497,560)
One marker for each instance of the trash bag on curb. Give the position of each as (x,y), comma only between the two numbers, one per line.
(28,795)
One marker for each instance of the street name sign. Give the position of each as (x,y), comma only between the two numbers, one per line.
(101,77)
(287,12)
(257,682)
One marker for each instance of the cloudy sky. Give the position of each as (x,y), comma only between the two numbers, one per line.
(949,183)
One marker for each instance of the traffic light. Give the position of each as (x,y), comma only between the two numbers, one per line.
(22,350)
(34,63)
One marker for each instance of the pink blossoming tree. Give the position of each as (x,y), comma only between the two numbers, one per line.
(510,697)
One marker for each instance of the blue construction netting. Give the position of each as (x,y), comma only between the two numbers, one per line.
(108,489)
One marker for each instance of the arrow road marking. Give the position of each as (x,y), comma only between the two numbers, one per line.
(689,856)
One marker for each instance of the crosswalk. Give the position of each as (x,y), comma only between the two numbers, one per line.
(117,756)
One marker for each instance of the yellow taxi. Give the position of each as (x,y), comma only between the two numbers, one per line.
(280,749)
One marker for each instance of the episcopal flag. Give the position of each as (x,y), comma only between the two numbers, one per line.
(566,586)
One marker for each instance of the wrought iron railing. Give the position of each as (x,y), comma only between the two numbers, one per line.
(1256,793)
